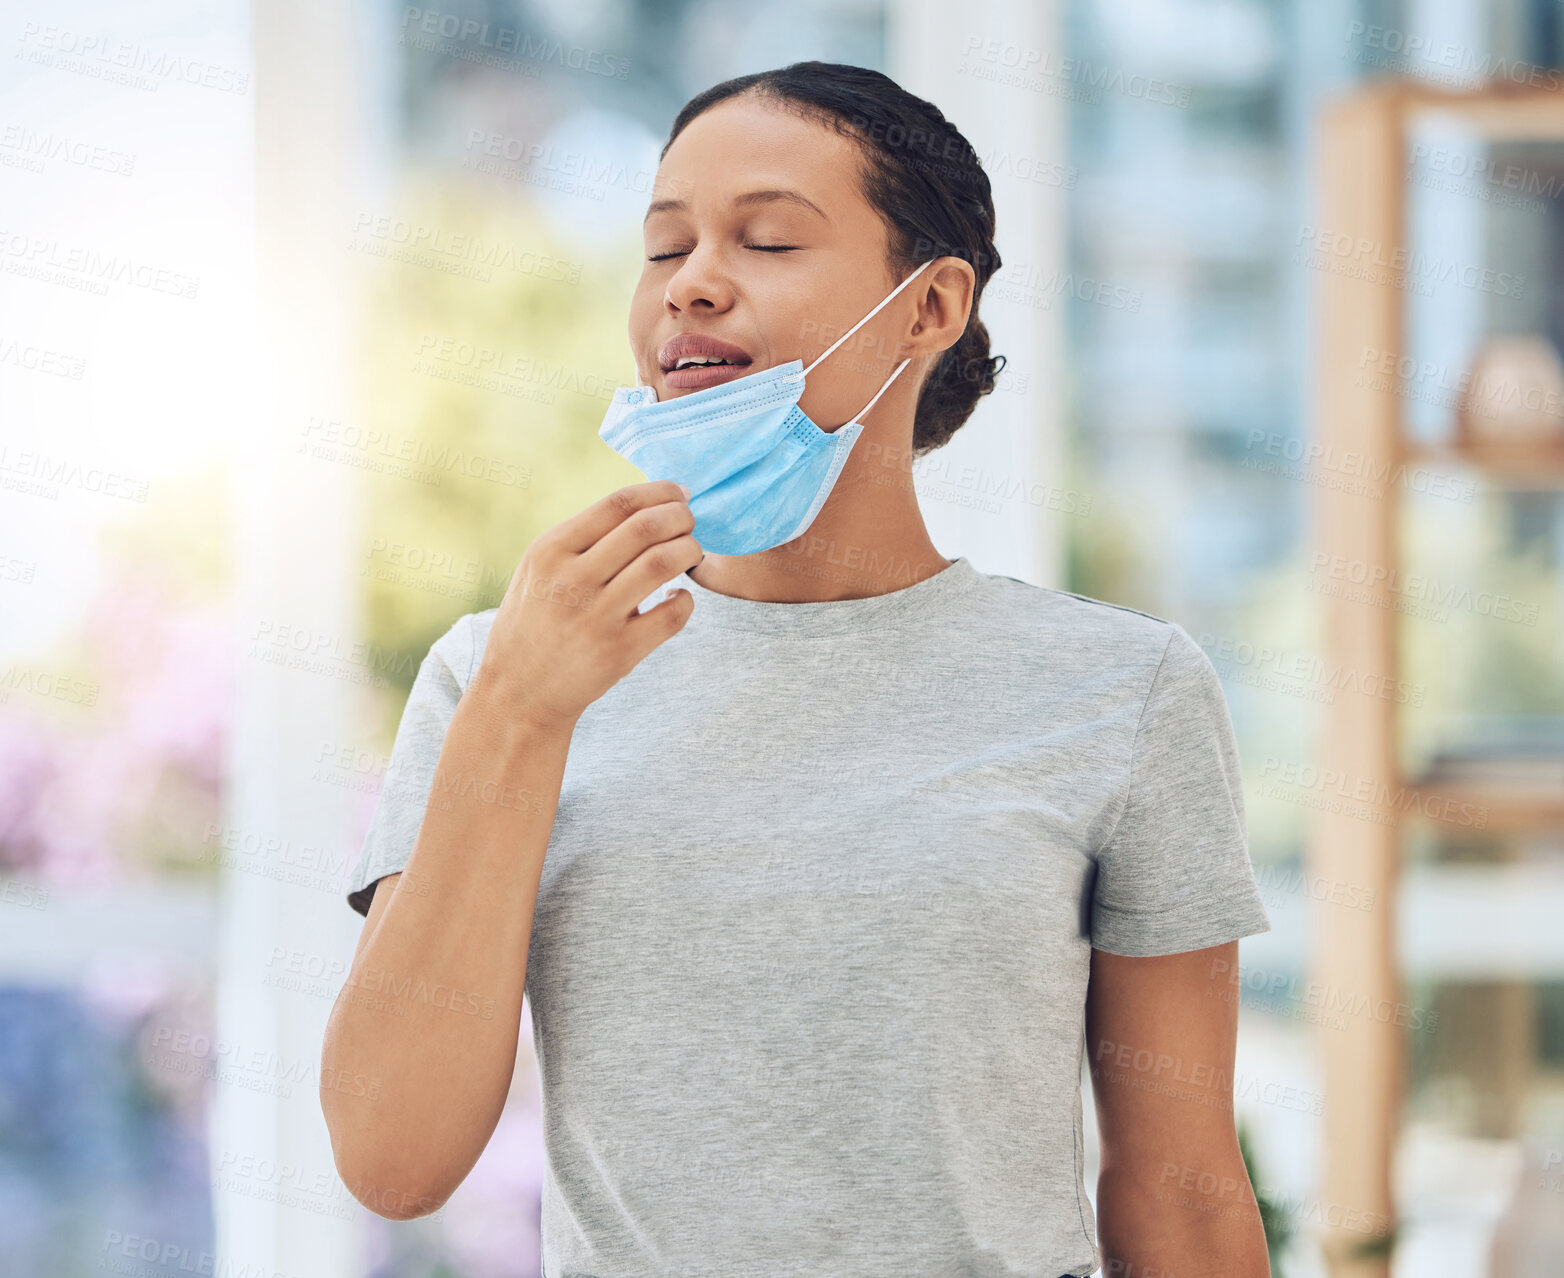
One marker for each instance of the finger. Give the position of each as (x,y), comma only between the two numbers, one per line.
(648,526)
(584,530)
(653,567)
(650,628)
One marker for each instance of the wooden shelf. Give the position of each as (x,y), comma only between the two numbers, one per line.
(1499,112)
(1364,141)
(1520,463)
(1504,809)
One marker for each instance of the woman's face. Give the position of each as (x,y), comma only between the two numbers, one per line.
(760,241)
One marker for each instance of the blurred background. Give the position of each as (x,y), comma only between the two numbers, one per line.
(309,314)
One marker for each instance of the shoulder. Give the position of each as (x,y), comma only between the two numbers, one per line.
(459,647)
(1080,629)
(478,624)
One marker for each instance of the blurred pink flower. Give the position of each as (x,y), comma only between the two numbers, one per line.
(80,792)
(492,1226)
(31,759)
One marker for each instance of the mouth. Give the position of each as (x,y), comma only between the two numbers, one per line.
(695,376)
(691,361)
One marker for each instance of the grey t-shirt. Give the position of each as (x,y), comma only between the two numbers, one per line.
(809,962)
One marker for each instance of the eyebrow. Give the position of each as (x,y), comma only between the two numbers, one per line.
(749,197)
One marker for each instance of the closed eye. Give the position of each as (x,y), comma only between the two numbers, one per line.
(764,248)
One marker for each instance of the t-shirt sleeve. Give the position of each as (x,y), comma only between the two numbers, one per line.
(409,776)
(1175,873)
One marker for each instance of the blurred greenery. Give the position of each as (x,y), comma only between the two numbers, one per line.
(1472,663)
(1103,558)
(540,427)
(1462,661)
(182,535)
(1278,1225)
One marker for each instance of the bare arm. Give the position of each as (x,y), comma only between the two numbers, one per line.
(430,1015)
(1172,1193)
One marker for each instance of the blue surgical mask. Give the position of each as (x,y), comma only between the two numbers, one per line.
(758,469)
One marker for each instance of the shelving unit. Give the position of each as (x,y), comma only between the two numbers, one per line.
(1363,154)
(1518,464)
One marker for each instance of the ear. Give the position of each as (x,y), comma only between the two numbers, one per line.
(944,306)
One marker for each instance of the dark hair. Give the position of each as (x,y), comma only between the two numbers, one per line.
(927,183)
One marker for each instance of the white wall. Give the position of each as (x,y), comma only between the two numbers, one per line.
(995,493)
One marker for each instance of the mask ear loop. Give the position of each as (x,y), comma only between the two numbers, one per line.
(859,414)
(840,340)
(864,321)
(639,384)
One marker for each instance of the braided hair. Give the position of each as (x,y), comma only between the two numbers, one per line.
(927,183)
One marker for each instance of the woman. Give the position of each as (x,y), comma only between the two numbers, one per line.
(852,849)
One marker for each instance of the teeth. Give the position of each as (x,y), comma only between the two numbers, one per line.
(690,360)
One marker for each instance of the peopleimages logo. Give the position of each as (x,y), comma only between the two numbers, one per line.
(1483,168)
(1240,656)
(1444,60)
(1420,268)
(1030,66)
(37,148)
(1281,990)
(1369,798)
(120,62)
(1381,581)
(419,22)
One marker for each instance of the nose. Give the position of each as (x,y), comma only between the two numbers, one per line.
(700,283)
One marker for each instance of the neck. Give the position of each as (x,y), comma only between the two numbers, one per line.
(868,539)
